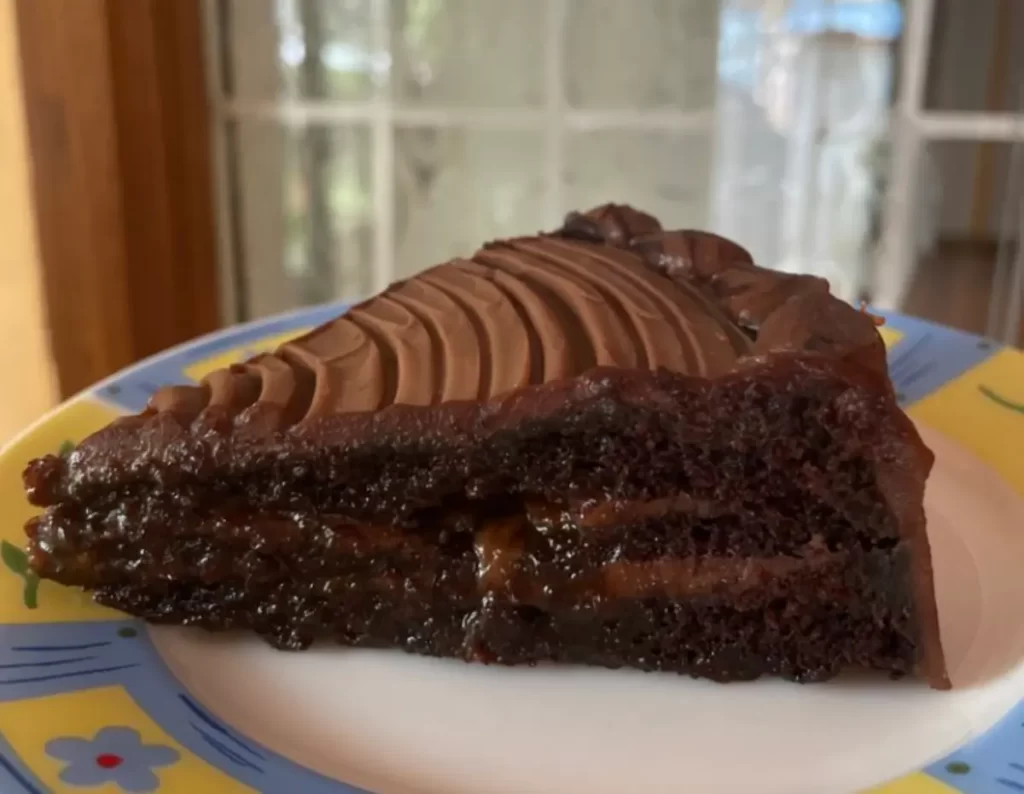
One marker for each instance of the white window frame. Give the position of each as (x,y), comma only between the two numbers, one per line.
(914,128)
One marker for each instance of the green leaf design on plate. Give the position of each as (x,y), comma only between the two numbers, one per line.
(1001,401)
(14,558)
(30,595)
(66,448)
(958,768)
(17,561)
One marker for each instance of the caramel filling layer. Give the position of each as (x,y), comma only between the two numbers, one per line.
(541,554)
(507,570)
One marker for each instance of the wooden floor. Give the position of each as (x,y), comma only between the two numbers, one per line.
(953,287)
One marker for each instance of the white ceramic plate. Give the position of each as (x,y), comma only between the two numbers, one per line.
(89,695)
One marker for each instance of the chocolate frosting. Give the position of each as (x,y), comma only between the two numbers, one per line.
(609,289)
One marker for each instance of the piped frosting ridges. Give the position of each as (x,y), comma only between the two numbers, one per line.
(609,289)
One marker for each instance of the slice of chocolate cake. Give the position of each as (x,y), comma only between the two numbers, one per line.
(610,445)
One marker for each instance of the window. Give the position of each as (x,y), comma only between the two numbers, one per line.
(369,139)
(363,140)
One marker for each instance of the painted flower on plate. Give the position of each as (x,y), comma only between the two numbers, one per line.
(114,755)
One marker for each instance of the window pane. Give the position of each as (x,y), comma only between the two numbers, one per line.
(305,214)
(976,56)
(301,48)
(456,188)
(963,225)
(641,54)
(665,173)
(484,53)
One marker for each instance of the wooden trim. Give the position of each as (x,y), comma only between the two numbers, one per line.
(949,246)
(119,127)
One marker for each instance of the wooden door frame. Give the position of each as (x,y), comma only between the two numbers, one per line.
(119,131)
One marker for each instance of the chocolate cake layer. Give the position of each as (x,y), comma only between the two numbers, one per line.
(488,578)
(521,313)
(613,444)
